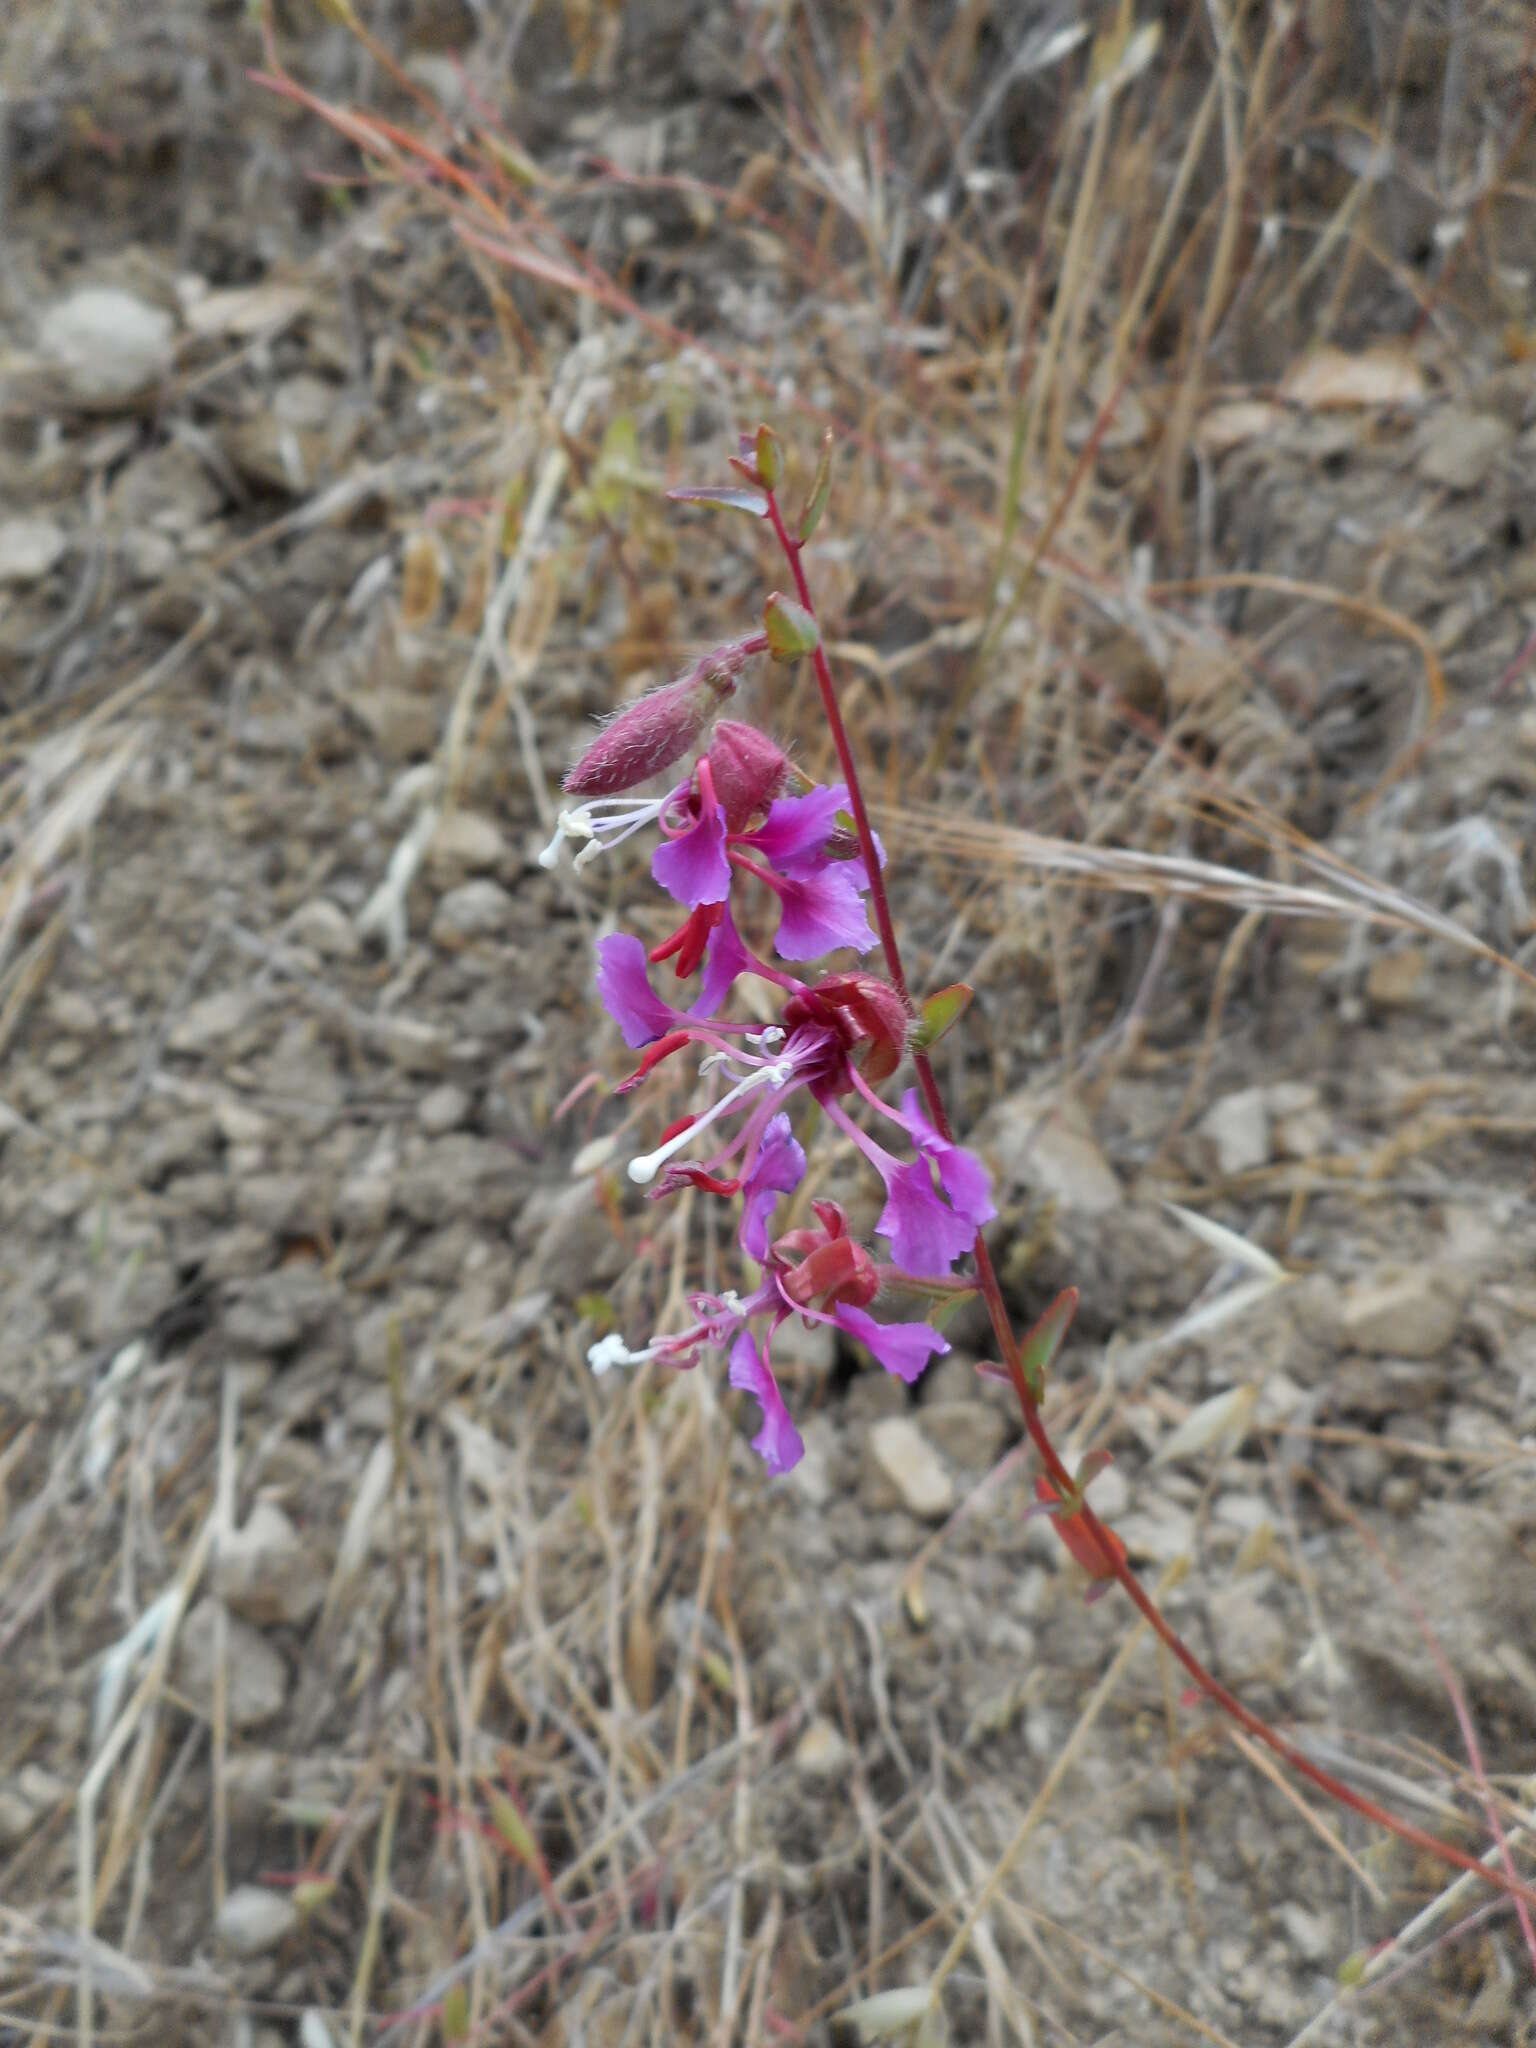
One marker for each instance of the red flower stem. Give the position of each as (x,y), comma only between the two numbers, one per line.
(1007,1342)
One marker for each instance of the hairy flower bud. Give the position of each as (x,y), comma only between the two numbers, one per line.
(750,770)
(659,728)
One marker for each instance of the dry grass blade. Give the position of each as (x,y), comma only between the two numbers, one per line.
(1353,899)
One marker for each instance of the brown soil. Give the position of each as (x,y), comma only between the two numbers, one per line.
(290,1216)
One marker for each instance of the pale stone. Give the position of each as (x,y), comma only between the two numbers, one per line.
(823,1751)
(29,548)
(1403,1312)
(1237,1131)
(106,345)
(910,1468)
(255,1675)
(326,929)
(267,1572)
(472,912)
(253,1920)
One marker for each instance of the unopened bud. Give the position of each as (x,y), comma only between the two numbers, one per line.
(749,770)
(873,1011)
(657,729)
(839,1270)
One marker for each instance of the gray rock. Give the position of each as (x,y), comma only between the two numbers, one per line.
(972,1433)
(208,1022)
(1378,1387)
(1406,1311)
(1237,1130)
(364,1202)
(465,843)
(256,1676)
(253,1920)
(281,1204)
(442,1109)
(326,929)
(29,548)
(903,1468)
(1047,1147)
(576,1249)
(185,1141)
(823,1751)
(265,1570)
(275,1311)
(105,346)
(473,912)
(459,1176)
(1462,447)
(1473,1583)
(25,1799)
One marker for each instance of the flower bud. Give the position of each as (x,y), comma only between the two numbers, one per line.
(870,1009)
(838,1270)
(657,729)
(749,770)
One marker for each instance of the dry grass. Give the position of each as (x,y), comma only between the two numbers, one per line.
(1044,279)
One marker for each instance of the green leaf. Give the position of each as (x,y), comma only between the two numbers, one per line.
(598,1310)
(511,1827)
(730,496)
(821,489)
(770,458)
(1038,1351)
(888,2014)
(453,2020)
(792,630)
(946,1006)
(617,468)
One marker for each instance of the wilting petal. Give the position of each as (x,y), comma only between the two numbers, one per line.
(626,992)
(796,829)
(693,867)
(778,1442)
(778,1170)
(902,1348)
(820,913)
(961,1174)
(925,1233)
(724,958)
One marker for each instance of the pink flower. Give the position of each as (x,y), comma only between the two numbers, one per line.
(778,1443)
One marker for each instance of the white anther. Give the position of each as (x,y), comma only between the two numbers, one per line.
(769,1039)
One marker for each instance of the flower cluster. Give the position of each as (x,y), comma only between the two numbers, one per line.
(742,818)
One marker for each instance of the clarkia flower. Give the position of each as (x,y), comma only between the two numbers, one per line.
(818,1272)
(835,1036)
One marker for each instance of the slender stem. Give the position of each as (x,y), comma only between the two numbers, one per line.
(1008,1345)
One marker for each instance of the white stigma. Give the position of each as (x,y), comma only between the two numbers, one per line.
(650,1164)
(611,1351)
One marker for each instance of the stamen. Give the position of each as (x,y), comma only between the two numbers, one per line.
(647,1167)
(767,1040)
(612,1350)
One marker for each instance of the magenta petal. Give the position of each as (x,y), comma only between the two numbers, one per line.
(796,829)
(693,867)
(626,992)
(778,1442)
(902,1348)
(820,913)
(961,1174)
(724,958)
(778,1170)
(925,1233)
